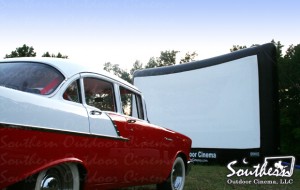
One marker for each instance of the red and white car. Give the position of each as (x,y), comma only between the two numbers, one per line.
(65,125)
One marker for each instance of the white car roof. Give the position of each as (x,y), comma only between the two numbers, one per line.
(70,67)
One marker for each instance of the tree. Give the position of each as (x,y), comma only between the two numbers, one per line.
(136,66)
(290,52)
(152,63)
(237,47)
(116,70)
(47,54)
(24,51)
(59,55)
(188,57)
(279,47)
(289,99)
(166,58)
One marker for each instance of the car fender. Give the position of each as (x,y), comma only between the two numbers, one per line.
(53,163)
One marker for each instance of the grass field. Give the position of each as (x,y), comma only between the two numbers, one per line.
(214,178)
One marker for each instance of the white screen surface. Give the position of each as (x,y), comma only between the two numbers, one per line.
(216,106)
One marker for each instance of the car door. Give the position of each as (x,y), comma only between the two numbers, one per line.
(99,97)
(146,144)
(107,150)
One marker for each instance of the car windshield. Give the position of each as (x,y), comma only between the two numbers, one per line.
(30,77)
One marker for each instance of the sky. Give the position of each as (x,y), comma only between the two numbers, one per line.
(123,31)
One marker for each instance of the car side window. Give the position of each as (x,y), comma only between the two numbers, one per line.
(36,78)
(99,94)
(72,93)
(131,103)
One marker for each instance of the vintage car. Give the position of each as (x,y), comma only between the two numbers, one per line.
(65,125)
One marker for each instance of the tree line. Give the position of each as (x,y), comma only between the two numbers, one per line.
(288,65)
(26,51)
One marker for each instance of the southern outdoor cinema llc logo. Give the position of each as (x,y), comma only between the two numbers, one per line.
(281,168)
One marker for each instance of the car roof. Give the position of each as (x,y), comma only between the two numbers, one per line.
(69,67)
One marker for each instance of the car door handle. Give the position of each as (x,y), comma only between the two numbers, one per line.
(168,139)
(95,112)
(131,121)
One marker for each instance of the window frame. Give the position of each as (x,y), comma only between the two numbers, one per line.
(138,102)
(97,77)
(77,80)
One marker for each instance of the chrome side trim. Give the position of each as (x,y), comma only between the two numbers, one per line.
(37,128)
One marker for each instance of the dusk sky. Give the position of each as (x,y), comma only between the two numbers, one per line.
(123,31)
